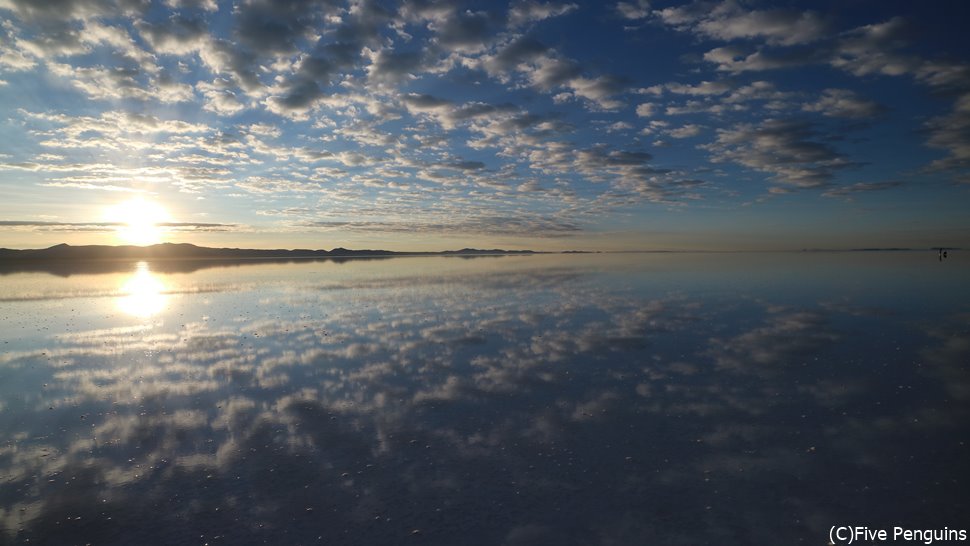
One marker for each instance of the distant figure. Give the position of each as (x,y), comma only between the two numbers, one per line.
(942,254)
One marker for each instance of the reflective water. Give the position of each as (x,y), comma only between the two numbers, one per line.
(588,399)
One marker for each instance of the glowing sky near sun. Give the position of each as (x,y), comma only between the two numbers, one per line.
(138,221)
(422,125)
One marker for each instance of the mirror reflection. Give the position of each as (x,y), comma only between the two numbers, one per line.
(540,400)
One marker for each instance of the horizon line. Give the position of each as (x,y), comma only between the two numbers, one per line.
(495,250)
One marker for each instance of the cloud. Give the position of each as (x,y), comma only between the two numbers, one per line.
(523,226)
(598,90)
(784,340)
(844,103)
(619,126)
(220,97)
(633,11)
(224,57)
(70,10)
(687,131)
(105,83)
(389,66)
(523,12)
(728,21)
(261,185)
(465,32)
(116,123)
(449,114)
(871,49)
(737,59)
(13,57)
(110,226)
(315,71)
(549,73)
(789,150)
(123,82)
(207,5)
(511,54)
(702,89)
(99,186)
(851,190)
(273,27)
(779,26)
(757,91)
(178,35)
(951,133)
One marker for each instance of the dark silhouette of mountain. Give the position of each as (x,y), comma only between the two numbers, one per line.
(183,251)
(478,252)
(66,260)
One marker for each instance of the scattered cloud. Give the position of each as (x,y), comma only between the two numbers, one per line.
(844,103)
(687,131)
(728,21)
(634,10)
(793,152)
(524,12)
(849,191)
(498,112)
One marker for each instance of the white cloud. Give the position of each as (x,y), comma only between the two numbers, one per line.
(793,152)
(776,26)
(220,98)
(207,5)
(13,57)
(529,11)
(687,131)
(870,49)
(646,109)
(619,126)
(634,11)
(388,66)
(702,89)
(729,21)
(843,103)
(105,83)
(739,59)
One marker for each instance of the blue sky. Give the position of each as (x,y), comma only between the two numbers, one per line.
(431,125)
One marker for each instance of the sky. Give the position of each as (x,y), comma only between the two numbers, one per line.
(423,125)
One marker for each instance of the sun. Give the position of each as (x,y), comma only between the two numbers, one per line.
(138,221)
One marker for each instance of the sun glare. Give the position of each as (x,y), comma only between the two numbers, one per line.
(138,221)
(143,294)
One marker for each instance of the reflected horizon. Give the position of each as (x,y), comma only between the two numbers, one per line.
(634,399)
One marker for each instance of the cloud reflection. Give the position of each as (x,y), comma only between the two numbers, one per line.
(504,406)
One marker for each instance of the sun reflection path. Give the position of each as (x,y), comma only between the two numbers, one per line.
(143,295)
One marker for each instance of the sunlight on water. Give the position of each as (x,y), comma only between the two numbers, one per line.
(143,295)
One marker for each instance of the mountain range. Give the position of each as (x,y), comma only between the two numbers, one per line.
(185,251)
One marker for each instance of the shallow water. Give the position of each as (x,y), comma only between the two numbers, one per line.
(587,399)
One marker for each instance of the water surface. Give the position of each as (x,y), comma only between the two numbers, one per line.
(587,399)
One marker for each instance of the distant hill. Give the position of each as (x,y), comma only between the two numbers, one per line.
(185,251)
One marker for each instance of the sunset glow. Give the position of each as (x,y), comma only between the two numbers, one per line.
(138,221)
